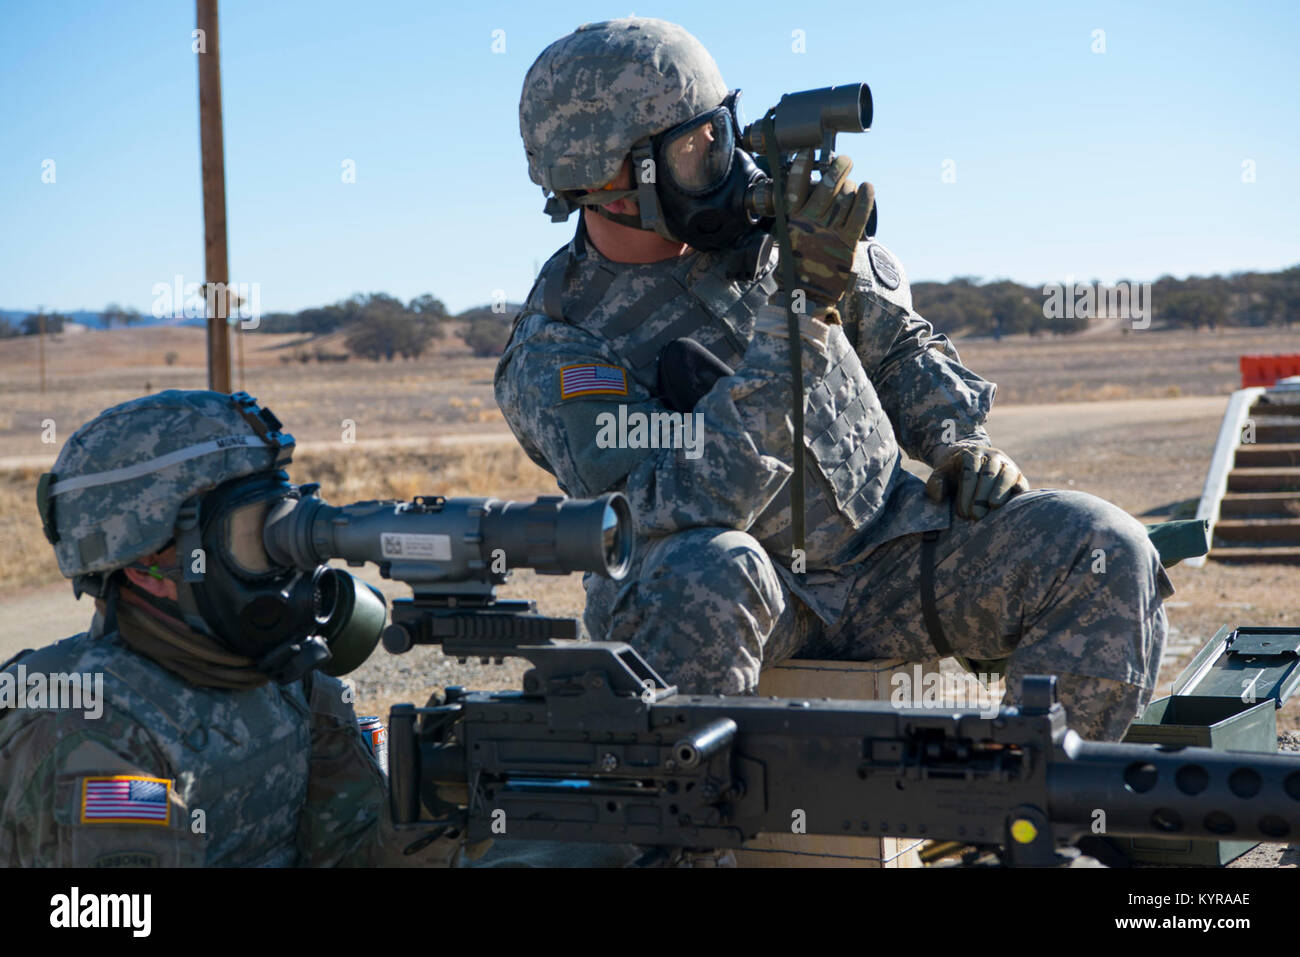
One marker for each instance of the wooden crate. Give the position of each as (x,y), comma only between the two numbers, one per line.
(861,680)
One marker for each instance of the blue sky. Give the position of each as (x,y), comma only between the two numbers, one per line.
(1069,163)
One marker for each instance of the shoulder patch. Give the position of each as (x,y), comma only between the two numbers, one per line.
(883,265)
(126,799)
(592,380)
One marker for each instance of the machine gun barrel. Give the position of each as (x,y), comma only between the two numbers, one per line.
(1142,790)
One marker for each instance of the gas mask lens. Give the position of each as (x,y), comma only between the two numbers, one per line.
(697,155)
(241,534)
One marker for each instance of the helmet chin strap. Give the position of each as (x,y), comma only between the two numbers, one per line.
(623,219)
(647,197)
(597,200)
(189,542)
(650,217)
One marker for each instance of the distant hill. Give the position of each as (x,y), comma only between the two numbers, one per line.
(964,306)
(91,319)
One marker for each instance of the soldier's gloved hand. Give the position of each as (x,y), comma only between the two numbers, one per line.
(980,478)
(826,222)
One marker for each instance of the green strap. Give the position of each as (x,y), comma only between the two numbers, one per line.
(786,264)
(1179,539)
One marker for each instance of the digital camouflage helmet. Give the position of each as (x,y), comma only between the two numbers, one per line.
(646,89)
(120,482)
(201,469)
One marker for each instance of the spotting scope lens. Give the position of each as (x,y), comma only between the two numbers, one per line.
(555,536)
(617,535)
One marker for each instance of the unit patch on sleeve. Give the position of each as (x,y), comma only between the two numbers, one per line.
(592,380)
(883,264)
(126,799)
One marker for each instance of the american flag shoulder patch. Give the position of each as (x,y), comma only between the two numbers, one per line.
(592,380)
(126,799)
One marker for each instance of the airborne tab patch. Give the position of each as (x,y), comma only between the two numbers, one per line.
(592,380)
(126,799)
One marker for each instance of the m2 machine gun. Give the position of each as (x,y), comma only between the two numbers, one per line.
(597,747)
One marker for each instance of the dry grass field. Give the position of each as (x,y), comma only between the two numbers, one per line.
(1119,364)
(449,392)
(1114,414)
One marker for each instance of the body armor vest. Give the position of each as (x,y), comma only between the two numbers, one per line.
(853,458)
(242,757)
(691,296)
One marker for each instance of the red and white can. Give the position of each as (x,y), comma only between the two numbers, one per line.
(376,737)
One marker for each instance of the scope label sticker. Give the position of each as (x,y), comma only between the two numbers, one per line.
(425,547)
(592,380)
(126,799)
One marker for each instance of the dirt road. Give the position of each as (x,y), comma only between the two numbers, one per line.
(1052,443)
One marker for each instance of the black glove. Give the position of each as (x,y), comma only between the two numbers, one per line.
(687,371)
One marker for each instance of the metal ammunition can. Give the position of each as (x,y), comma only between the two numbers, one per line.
(376,738)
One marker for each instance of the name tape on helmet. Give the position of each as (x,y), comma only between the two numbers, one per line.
(157,465)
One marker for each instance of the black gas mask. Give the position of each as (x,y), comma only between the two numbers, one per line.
(707,182)
(287,620)
(690,183)
(703,176)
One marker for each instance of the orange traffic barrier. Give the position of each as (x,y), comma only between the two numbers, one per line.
(1266,370)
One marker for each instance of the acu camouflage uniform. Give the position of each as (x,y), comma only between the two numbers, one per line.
(714,594)
(280,773)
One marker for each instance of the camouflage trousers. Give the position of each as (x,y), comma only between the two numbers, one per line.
(1060,582)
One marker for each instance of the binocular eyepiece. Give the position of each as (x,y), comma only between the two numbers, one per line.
(805,119)
(811,118)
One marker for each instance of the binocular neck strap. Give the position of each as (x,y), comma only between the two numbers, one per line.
(786,265)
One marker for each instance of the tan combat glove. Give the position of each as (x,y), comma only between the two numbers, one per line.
(980,478)
(826,222)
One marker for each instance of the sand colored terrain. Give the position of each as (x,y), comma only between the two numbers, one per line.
(1130,417)
(431,426)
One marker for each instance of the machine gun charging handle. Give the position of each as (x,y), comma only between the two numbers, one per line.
(702,744)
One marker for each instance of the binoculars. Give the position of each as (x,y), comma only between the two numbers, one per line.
(811,118)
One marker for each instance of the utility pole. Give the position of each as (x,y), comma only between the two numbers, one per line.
(40,342)
(215,263)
